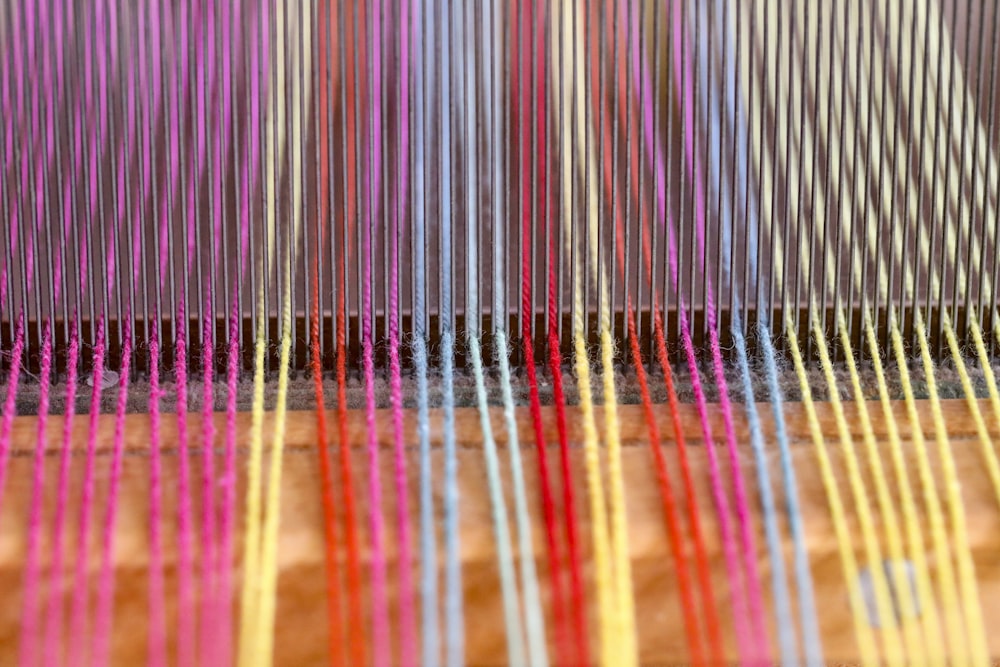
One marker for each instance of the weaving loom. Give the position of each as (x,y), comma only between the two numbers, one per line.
(506,332)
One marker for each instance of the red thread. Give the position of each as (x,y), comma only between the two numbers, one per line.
(333,601)
(357,628)
(677,541)
(667,496)
(579,603)
(579,619)
(713,625)
(752,595)
(563,631)
(703,574)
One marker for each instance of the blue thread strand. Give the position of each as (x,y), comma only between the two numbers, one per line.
(505,558)
(431,648)
(428,542)
(454,621)
(803,574)
(533,617)
(779,583)
(736,119)
(721,188)
(454,616)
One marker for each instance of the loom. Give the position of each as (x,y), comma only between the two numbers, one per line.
(516,332)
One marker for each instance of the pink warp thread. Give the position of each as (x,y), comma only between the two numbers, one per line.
(30,600)
(9,406)
(227,514)
(79,616)
(752,581)
(407,610)
(106,582)
(209,581)
(156,655)
(52,646)
(381,642)
(186,610)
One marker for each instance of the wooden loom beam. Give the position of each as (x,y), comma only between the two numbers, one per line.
(301,623)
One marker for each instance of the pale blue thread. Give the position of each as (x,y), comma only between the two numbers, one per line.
(720,187)
(736,120)
(534,619)
(468,112)
(803,575)
(428,542)
(454,616)
(782,603)
(505,557)
(498,193)
(431,648)
(453,612)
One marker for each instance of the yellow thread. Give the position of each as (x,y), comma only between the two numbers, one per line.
(251,552)
(251,549)
(867,646)
(607,581)
(625,652)
(984,362)
(833,126)
(953,493)
(911,519)
(989,455)
(619,521)
(886,506)
(602,564)
(260,560)
(894,652)
(264,653)
(931,166)
(939,535)
(599,519)
(269,547)
(996,326)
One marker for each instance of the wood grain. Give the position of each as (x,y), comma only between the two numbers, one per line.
(301,623)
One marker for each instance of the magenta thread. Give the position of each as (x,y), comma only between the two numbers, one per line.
(748,548)
(32,584)
(10,403)
(407,610)
(381,648)
(156,655)
(79,614)
(106,581)
(52,646)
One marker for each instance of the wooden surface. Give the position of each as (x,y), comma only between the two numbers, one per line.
(301,622)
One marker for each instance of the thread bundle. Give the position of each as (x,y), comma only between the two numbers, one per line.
(541,218)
